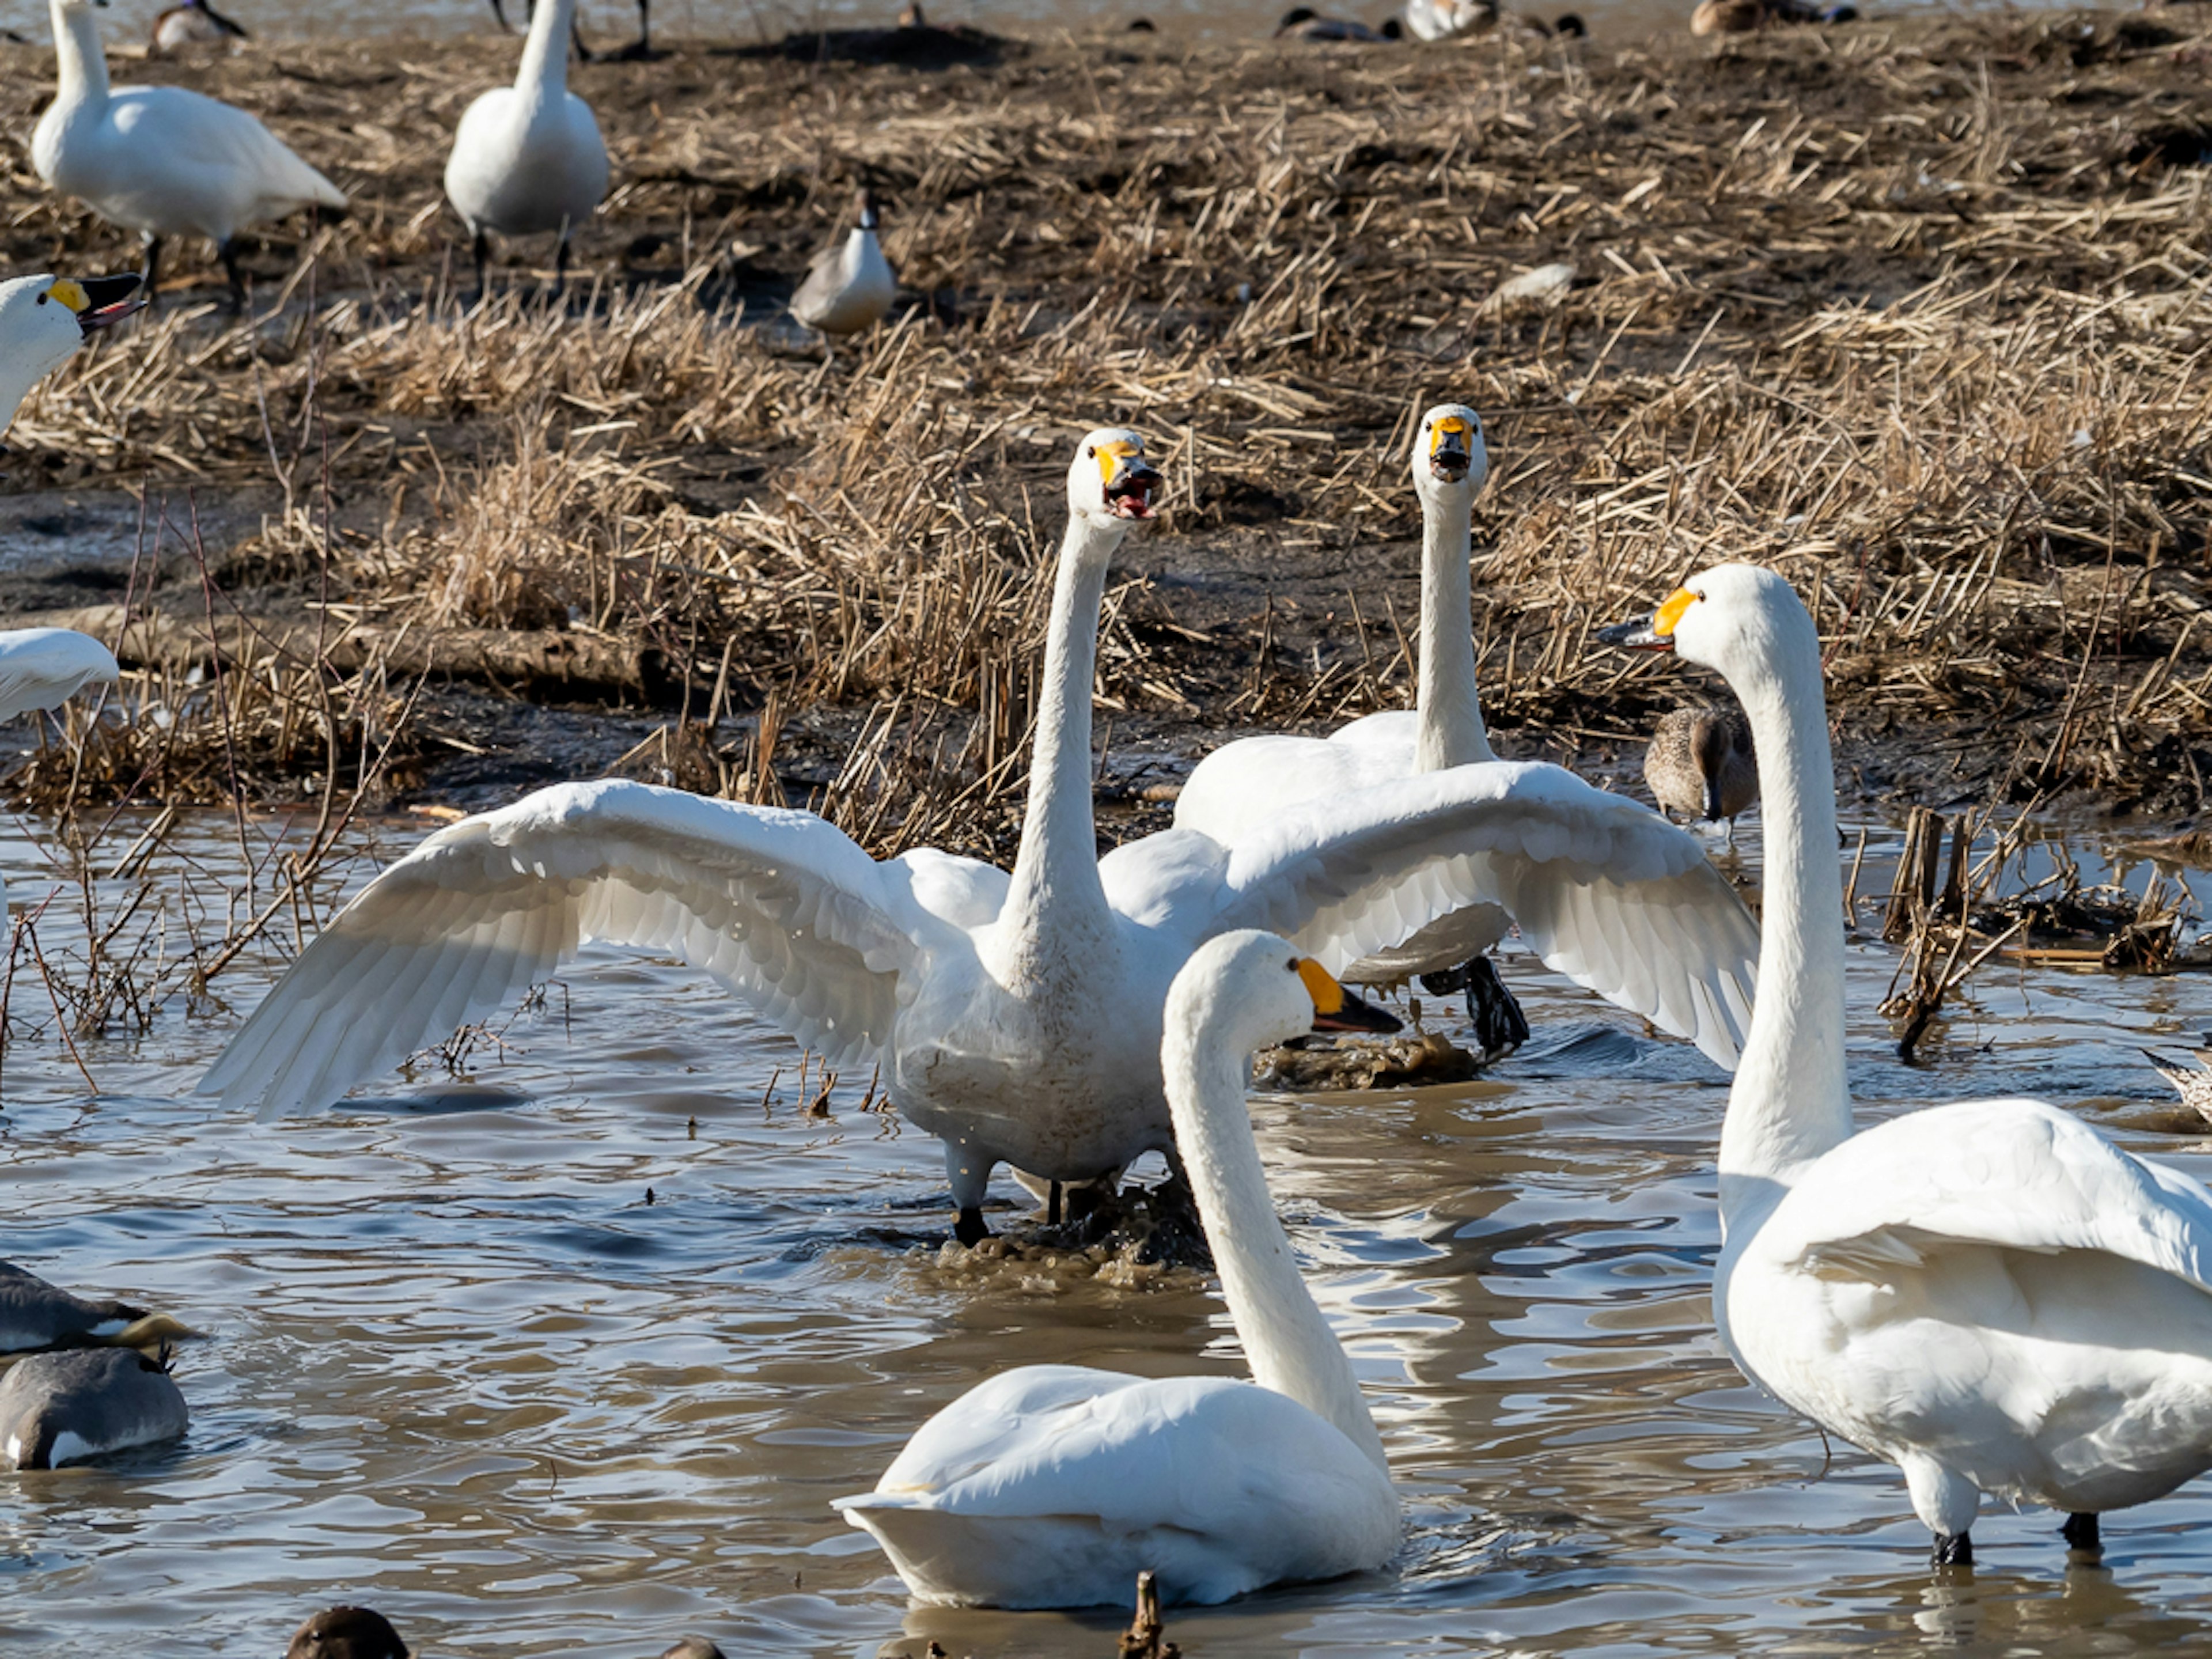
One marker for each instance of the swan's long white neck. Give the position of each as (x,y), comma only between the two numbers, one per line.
(544,71)
(79,57)
(1791,1101)
(1055,902)
(1286,1341)
(1451,732)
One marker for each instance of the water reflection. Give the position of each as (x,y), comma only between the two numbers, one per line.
(458,1367)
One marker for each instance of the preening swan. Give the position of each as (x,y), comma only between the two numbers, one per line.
(849,285)
(58,1409)
(1241,786)
(1990,1295)
(1700,766)
(1016,1017)
(194,23)
(162,161)
(44,320)
(1054,1486)
(528,159)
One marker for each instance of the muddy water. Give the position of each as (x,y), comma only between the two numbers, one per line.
(458,1367)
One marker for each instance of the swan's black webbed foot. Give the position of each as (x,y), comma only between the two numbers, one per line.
(2081,1533)
(1499,1025)
(1952,1549)
(969,1228)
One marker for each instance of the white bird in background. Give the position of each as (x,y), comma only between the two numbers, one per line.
(1990,1295)
(528,159)
(849,285)
(1054,1486)
(194,23)
(1447,20)
(161,160)
(44,320)
(1016,1017)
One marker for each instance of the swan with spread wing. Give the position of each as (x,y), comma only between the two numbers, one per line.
(1017,1017)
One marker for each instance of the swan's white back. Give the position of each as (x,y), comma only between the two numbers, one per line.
(529,158)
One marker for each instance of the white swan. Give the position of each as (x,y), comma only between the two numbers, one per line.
(1242,785)
(162,161)
(1054,1486)
(849,285)
(1016,1018)
(44,320)
(1990,1295)
(528,159)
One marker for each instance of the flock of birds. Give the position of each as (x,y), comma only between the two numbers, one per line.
(1990,1294)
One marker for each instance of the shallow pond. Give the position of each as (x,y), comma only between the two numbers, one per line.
(457,1366)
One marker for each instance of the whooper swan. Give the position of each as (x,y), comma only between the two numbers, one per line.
(162,161)
(1016,1017)
(528,159)
(1054,1486)
(44,320)
(1990,1295)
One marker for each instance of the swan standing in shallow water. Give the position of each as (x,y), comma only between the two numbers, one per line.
(849,285)
(162,161)
(1990,1295)
(528,159)
(43,321)
(1054,1486)
(1015,1017)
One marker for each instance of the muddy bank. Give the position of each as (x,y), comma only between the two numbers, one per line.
(1911,310)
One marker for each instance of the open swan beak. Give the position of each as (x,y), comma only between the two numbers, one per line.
(98,301)
(1336,1009)
(1449,455)
(1131,481)
(1652,631)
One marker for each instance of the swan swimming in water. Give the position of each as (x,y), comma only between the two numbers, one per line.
(1015,1017)
(1243,785)
(1990,1294)
(162,161)
(1054,1486)
(528,159)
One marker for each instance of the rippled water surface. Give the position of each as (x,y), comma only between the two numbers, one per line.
(458,1366)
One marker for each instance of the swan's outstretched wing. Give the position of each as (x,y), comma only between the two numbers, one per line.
(1604,889)
(2010,1174)
(44,667)
(780,906)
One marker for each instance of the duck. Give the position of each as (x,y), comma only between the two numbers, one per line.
(162,161)
(636,50)
(1700,767)
(1239,786)
(1015,1016)
(1989,1294)
(1303,23)
(1745,17)
(83,1403)
(528,159)
(1448,20)
(1054,1486)
(848,286)
(193,23)
(2194,1085)
(44,320)
(346,1632)
(35,1315)
(691,1647)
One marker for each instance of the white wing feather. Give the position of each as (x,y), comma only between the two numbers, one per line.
(2010,1174)
(44,667)
(780,906)
(1604,889)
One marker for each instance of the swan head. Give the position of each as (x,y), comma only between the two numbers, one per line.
(1449,451)
(1250,990)
(1111,482)
(1739,619)
(45,318)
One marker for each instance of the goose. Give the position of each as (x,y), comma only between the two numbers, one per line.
(346,1632)
(1242,785)
(1054,1486)
(1448,19)
(1700,766)
(162,161)
(528,158)
(34,1313)
(1017,1017)
(848,288)
(1989,1294)
(640,48)
(193,23)
(81,1403)
(43,321)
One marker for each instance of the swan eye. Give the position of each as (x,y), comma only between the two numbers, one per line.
(1292,964)
(43,298)
(1091,450)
